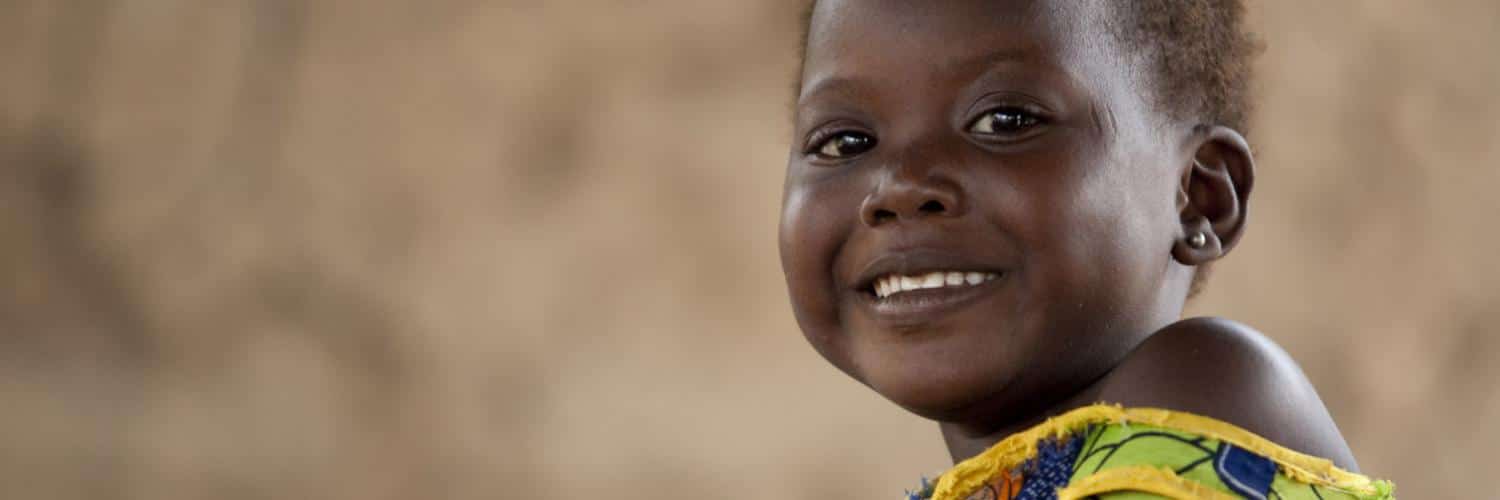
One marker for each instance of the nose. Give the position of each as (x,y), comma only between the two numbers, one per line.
(906,195)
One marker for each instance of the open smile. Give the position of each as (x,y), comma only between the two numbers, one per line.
(910,301)
(894,284)
(920,286)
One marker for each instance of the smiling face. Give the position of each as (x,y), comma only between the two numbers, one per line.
(981,204)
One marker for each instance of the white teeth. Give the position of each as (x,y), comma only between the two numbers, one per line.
(932,280)
(889,285)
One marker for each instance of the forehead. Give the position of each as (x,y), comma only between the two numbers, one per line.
(849,39)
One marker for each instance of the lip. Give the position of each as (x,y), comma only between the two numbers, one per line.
(921,307)
(927,306)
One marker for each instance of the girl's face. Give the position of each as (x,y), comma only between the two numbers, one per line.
(1003,158)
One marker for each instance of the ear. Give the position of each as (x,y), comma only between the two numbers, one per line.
(1213,196)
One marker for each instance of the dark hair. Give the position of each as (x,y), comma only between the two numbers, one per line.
(1200,53)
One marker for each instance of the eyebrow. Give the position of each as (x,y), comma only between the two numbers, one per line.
(855,85)
(990,59)
(821,85)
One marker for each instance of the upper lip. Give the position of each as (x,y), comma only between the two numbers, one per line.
(916,262)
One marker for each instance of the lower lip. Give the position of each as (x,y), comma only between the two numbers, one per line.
(928,305)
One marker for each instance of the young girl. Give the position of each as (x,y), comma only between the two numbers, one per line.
(994,213)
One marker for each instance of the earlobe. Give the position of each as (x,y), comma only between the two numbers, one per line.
(1198,245)
(1213,196)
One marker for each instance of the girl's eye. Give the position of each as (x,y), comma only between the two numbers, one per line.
(845,144)
(1004,121)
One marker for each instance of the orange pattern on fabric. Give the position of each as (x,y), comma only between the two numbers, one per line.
(1005,486)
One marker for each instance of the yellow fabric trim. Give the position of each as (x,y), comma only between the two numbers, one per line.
(970,475)
(1144,479)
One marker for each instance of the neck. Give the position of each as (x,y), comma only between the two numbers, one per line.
(967,439)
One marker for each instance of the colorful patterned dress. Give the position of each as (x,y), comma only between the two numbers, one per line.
(1115,453)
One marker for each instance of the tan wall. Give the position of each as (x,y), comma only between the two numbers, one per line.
(478,249)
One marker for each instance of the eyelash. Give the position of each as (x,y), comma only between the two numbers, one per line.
(822,140)
(1021,121)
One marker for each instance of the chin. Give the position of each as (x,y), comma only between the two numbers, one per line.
(938,393)
(940,373)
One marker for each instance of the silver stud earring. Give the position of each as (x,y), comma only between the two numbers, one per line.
(1197,240)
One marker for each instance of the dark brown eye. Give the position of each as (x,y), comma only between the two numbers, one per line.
(845,144)
(1004,121)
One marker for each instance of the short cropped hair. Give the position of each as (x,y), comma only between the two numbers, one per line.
(1201,56)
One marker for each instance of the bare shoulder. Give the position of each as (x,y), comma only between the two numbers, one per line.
(1226,370)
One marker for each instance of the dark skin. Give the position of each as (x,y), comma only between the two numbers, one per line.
(1017,140)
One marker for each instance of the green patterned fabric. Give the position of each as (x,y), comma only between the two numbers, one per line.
(1112,452)
(1189,456)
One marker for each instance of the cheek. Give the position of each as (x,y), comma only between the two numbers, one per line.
(1108,249)
(1131,222)
(1097,222)
(812,231)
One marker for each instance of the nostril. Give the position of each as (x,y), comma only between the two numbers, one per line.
(883,215)
(932,207)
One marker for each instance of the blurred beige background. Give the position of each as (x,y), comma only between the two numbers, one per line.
(520,249)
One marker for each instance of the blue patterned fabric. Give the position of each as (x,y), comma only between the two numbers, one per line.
(1245,473)
(1051,469)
